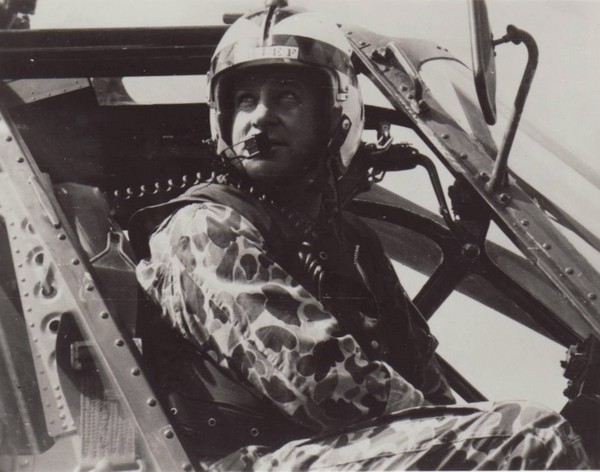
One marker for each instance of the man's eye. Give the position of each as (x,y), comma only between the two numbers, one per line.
(245,101)
(289,98)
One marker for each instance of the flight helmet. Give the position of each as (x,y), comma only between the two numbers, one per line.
(282,35)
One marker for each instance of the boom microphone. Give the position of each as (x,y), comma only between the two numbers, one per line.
(256,145)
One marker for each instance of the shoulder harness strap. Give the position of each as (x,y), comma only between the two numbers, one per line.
(145,221)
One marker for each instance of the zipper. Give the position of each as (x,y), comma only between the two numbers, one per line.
(359,268)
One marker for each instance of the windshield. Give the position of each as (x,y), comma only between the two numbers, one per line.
(451,84)
(560,183)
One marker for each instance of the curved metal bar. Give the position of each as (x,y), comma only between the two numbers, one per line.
(406,217)
(459,260)
(499,173)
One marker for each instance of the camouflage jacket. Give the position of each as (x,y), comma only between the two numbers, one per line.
(325,353)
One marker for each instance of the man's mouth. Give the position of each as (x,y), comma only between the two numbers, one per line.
(259,144)
(276,141)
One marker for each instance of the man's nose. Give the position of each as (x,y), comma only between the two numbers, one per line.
(262,115)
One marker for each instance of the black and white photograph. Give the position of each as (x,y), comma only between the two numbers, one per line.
(299,235)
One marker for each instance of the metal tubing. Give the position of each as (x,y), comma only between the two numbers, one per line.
(499,172)
(115,52)
(459,384)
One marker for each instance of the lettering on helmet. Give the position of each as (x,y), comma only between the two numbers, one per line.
(269,52)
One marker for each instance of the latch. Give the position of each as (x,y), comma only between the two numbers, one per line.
(582,368)
(384,137)
(393,53)
(81,356)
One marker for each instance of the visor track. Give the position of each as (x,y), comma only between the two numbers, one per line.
(267,25)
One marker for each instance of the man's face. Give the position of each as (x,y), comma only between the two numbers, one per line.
(284,103)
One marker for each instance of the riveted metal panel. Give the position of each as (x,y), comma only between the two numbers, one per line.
(61,281)
(29,91)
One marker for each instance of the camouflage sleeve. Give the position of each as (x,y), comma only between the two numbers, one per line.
(215,282)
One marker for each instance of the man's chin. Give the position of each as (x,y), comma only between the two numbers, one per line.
(269,174)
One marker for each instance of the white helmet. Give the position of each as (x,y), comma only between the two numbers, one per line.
(284,35)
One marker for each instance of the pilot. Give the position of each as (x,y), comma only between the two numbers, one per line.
(300,348)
